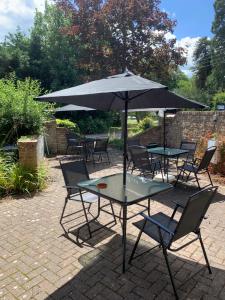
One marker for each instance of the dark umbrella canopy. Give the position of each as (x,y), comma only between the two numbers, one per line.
(106,94)
(121,92)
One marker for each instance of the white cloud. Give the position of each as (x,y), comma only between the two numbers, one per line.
(14,13)
(189,44)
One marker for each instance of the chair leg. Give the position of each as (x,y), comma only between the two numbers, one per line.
(169,270)
(136,243)
(196,177)
(108,157)
(204,252)
(209,177)
(149,206)
(64,207)
(86,217)
(178,177)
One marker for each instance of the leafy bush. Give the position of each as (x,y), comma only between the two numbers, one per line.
(117,143)
(91,125)
(20,114)
(16,179)
(146,123)
(218,98)
(68,124)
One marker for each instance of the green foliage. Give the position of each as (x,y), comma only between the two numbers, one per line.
(16,179)
(46,54)
(117,143)
(202,58)
(218,98)
(68,124)
(218,45)
(91,125)
(187,88)
(19,113)
(146,123)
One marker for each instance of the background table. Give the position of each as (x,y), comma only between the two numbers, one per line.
(137,189)
(167,153)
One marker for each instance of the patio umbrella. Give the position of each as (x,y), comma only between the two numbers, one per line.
(71,107)
(120,92)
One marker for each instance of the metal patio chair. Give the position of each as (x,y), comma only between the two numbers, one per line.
(191,147)
(143,163)
(165,230)
(198,166)
(131,142)
(100,149)
(73,142)
(74,172)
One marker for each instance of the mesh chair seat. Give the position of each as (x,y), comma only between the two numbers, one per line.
(189,168)
(152,230)
(87,197)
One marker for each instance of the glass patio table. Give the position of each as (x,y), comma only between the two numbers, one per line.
(167,153)
(137,189)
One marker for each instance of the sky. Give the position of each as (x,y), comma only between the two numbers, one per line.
(194,20)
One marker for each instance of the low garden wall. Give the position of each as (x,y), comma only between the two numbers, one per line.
(55,138)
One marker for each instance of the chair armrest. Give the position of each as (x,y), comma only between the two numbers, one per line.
(178,205)
(70,186)
(150,219)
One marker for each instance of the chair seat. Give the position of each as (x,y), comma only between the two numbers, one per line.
(87,197)
(189,168)
(152,230)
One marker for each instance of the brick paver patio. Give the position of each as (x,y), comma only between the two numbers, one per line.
(38,262)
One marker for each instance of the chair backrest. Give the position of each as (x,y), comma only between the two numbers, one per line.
(73,172)
(101,145)
(205,161)
(194,212)
(72,137)
(189,145)
(139,156)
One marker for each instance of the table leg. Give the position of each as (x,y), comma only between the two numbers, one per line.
(124,238)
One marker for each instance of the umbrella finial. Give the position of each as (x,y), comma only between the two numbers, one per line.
(127,72)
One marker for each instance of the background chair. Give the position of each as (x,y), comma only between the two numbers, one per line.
(74,172)
(191,147)
(165,230)
(131,142)
(101,149)
(198,166)
(142,162)
(73,142)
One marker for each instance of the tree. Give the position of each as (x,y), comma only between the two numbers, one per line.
(186,87)
(52,53)
(115,34)
(14,55)
(218,42)
(202,60)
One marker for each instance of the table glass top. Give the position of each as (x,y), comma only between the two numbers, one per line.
(167,151)
(136,189)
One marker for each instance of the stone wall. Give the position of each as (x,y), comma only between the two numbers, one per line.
(31,152)
(192,125)
(55,138)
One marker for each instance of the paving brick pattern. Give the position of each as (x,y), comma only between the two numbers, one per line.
(38,262)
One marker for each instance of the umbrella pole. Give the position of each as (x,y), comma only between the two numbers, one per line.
(125,140)
(164,129)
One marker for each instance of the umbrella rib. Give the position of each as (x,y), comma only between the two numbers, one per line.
(132,98)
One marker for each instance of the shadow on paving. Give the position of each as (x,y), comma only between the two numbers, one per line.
(146,278)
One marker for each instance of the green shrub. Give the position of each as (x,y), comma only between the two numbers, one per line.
(20,114)
(146,123)
(16,179)
(68,124)
(91,125)
(117,143)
